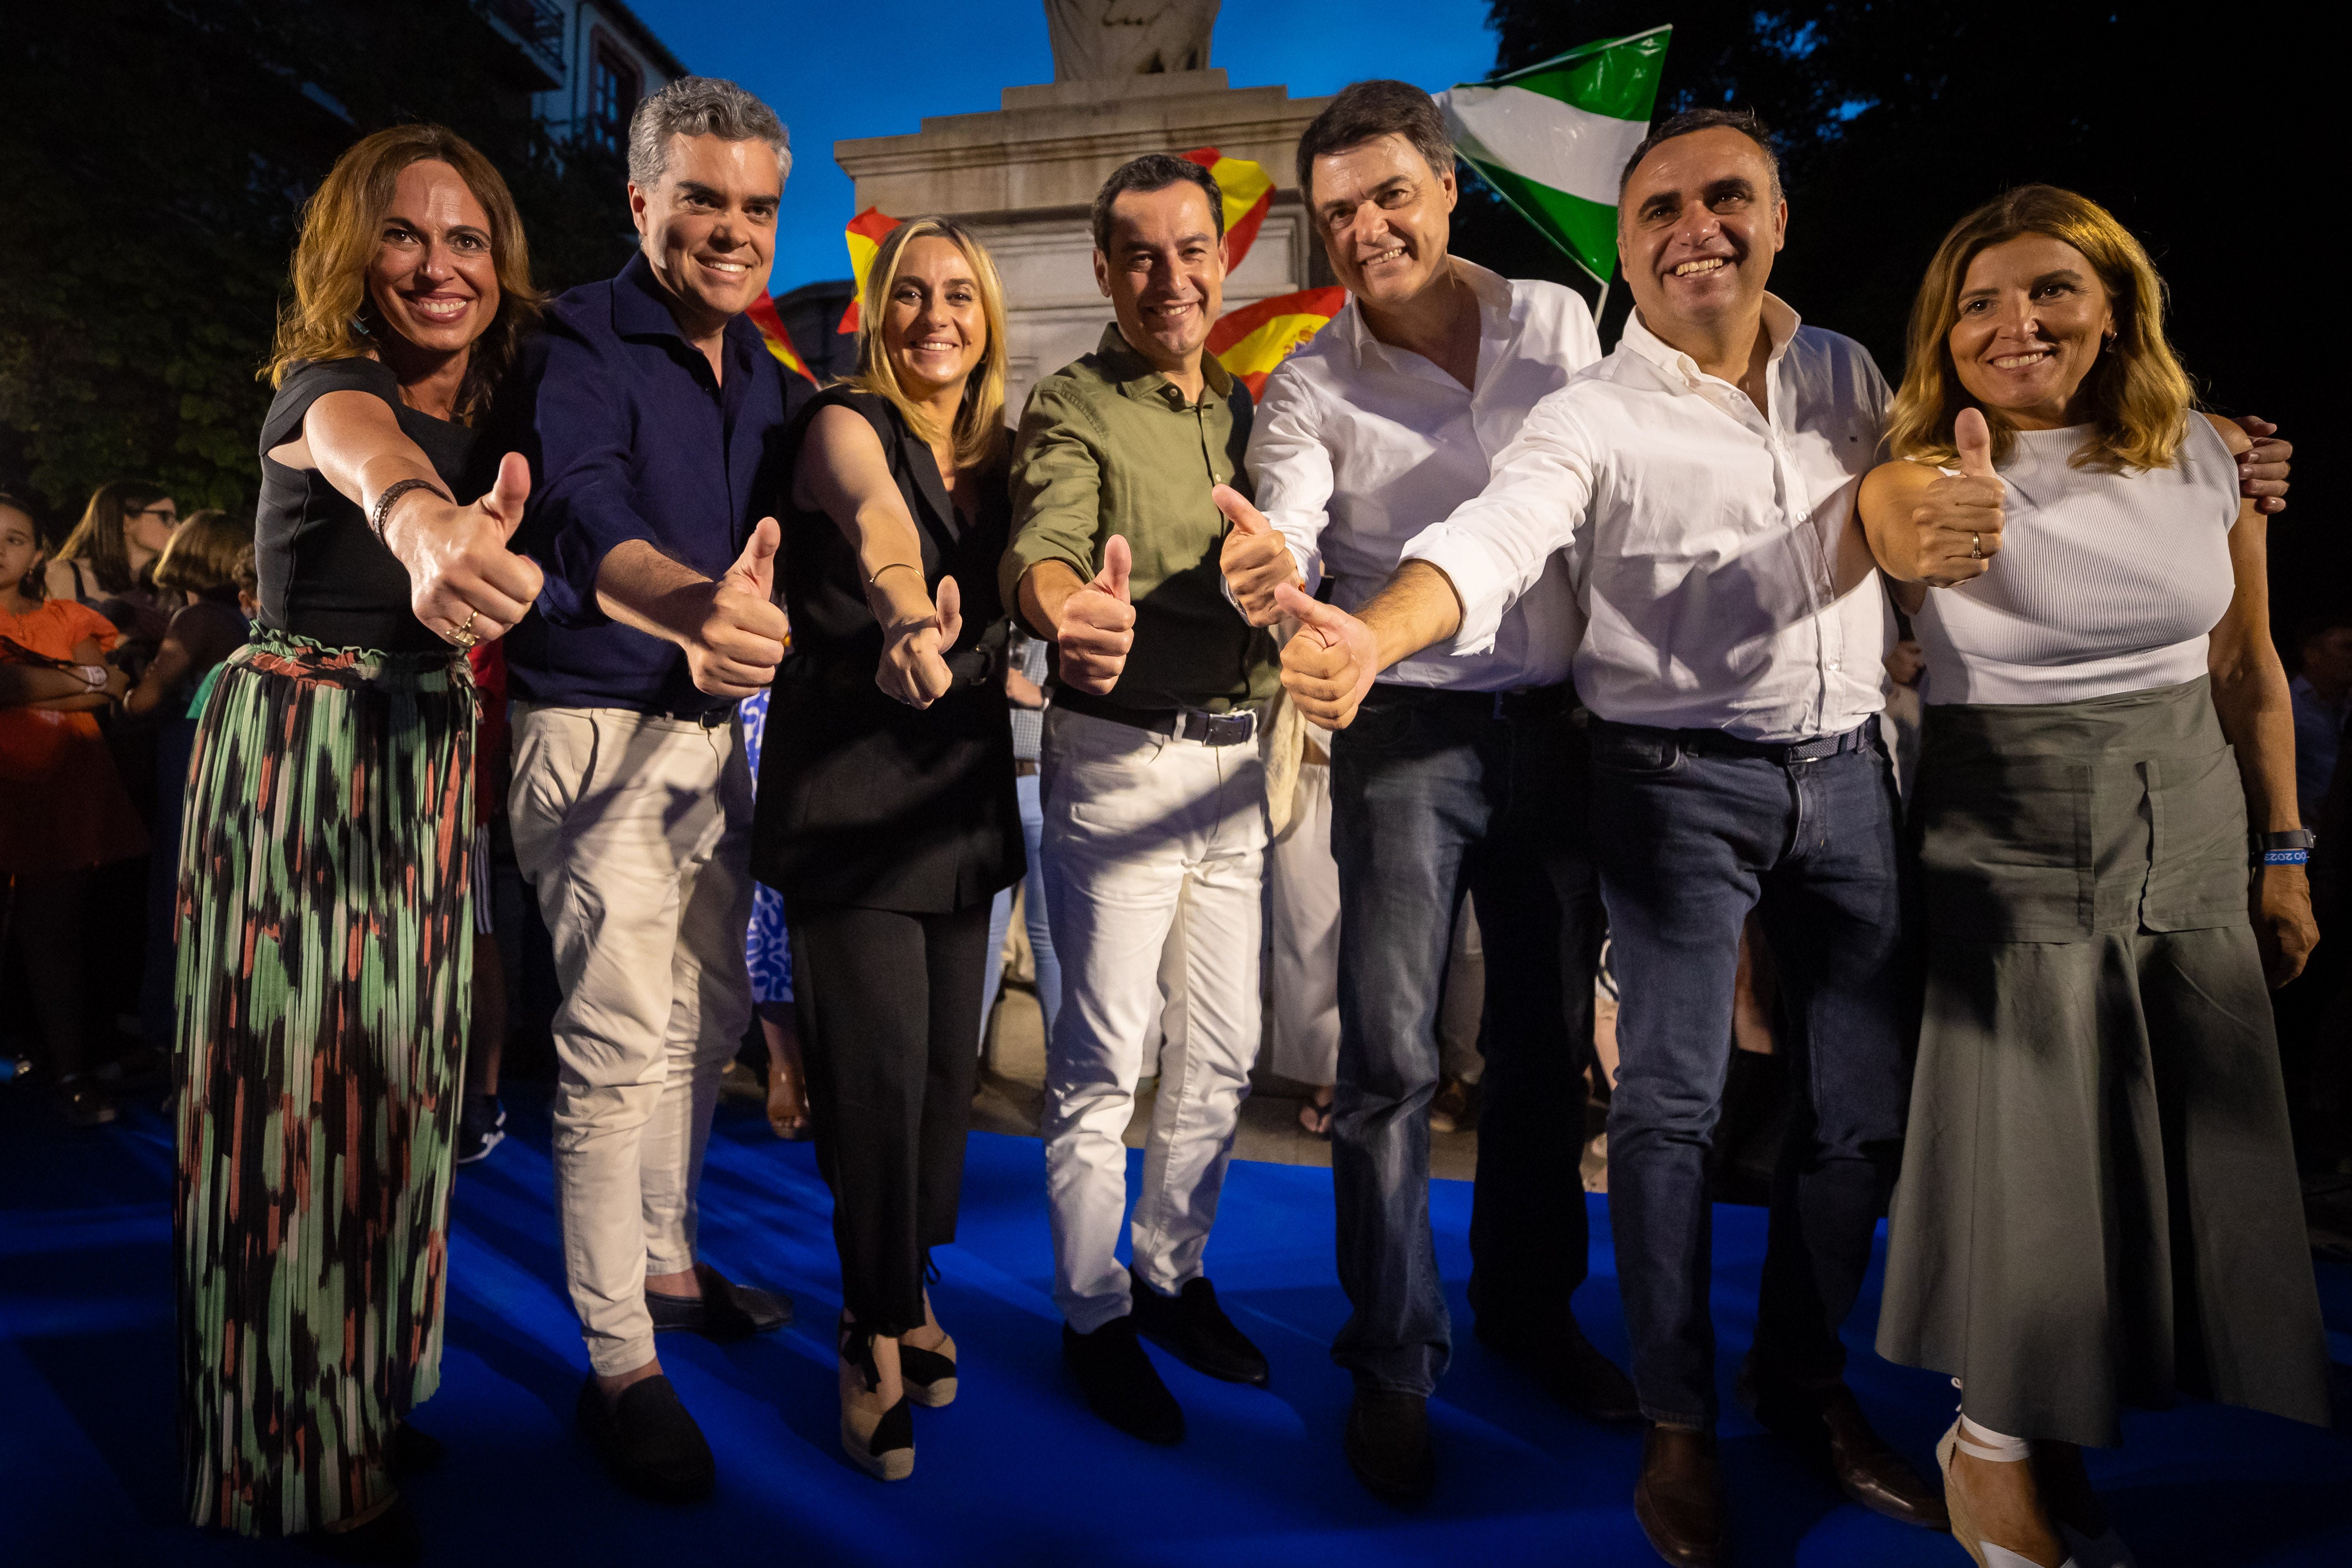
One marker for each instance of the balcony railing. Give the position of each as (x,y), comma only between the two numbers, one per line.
(536,25)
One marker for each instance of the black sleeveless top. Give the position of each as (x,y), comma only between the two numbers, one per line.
(864,801)
(323,574)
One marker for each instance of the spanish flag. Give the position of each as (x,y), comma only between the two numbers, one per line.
(779,342)
(864,235)
(1249,191)
(1252,340)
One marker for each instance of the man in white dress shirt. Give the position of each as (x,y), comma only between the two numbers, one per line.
(1462,773)
(1701,480)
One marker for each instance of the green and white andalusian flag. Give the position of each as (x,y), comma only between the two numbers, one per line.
(1554,137)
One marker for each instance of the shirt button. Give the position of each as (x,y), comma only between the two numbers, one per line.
(1833,664)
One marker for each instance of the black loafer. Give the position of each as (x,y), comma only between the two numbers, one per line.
(1191,1327)
(725,1311)
(412,1452)
(390,1540)
(1570,1368)
(1387,1444)
(1122,1384)
(648,1441)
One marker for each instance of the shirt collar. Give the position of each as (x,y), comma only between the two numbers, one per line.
(641,309)
(1495,297)
(1780,324)
(1137,377)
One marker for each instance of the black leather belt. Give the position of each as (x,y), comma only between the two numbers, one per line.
(1716,743)
(1237,727)
(707,717)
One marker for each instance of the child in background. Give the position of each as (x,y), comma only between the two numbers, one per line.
(206,575)
(63,811)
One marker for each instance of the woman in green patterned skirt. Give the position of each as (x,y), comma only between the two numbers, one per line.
(324,908)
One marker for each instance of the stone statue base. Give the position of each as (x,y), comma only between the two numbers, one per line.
(1023,178)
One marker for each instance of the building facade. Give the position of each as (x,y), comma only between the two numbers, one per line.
(586,62)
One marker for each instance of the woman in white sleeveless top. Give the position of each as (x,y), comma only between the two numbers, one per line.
(2099,1202)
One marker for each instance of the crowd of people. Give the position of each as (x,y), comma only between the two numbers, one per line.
(772,696)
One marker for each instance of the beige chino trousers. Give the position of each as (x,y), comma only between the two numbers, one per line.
(634,832)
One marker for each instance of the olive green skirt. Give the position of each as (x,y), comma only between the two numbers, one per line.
(2098,1204)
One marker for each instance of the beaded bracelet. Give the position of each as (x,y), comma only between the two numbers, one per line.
(381,512)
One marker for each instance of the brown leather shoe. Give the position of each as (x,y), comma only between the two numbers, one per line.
(1679,1498)
(1874,1474)
(1828,1426)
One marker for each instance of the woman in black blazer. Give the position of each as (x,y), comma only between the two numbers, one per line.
(887,815)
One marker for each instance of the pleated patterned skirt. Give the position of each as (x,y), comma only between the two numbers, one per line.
(2098,1204)
(325,946)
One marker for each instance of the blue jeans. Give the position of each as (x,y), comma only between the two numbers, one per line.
(1688,841)
(1033,916)
(1434,793)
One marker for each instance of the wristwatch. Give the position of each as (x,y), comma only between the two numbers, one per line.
(2292,847)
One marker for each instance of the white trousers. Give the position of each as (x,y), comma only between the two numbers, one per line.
(634,832)
(1149,841)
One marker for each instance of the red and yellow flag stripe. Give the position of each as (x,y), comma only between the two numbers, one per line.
(1249,192)
(864,235)
(1252,340)
(779,342)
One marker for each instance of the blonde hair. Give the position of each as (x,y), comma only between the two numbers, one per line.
(2139,396)
(978,432)
(341,226)
(202,557)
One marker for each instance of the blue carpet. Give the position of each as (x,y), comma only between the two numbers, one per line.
(1016,1471)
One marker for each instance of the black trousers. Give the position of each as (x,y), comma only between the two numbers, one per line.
(890,1015)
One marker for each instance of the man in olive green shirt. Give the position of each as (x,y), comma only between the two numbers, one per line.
(1154,795)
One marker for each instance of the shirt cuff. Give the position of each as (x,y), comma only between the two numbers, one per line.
(1478,584)
(1310,568)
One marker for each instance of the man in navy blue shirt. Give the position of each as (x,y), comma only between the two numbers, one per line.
(647,409)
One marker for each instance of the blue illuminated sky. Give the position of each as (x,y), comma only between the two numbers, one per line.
(839,69)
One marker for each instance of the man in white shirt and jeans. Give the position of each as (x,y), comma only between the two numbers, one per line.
(1702,480)
(1461,773)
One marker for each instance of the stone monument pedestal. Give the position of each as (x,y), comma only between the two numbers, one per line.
(1023,178)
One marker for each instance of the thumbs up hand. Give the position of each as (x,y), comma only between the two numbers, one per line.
(463,581)
(736,641)
(1328,666)
(1097,626)
(1255,560)
(914,667)
(1954,525)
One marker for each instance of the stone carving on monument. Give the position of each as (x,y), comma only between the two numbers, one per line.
(1093,39)
(1024,176)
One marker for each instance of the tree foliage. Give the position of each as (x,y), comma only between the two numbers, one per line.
(155,159)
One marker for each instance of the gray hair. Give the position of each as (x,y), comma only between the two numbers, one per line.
(700,106)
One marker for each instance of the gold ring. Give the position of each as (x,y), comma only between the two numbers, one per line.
(1976,548)
(463,635)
